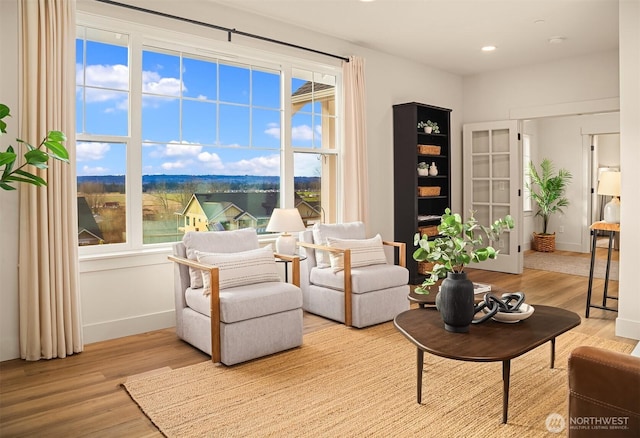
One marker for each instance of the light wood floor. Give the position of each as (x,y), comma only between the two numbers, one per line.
(81,395)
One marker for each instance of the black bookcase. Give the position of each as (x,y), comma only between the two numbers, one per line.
(413,209)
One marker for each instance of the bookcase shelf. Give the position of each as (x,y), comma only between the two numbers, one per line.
(412,211)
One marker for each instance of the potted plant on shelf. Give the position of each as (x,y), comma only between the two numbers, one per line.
(547,189)
(459,243)
(423,169)
(434,127)
(425,126)
(50,147)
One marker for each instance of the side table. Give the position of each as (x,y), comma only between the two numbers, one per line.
(612,229)
(286,265)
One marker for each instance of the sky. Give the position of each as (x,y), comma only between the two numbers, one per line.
(219,104)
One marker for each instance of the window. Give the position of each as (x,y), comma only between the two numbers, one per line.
(171,139)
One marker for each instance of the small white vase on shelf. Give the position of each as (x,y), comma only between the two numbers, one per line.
(433,170)
(423,172)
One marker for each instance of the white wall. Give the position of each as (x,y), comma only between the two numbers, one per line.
(628,321)
(562,140)
(9,346)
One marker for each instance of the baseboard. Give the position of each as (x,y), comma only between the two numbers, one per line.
(627,328)
(106,330)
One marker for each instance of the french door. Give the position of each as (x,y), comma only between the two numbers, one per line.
(492,186)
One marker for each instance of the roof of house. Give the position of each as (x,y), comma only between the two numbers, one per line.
(86,220)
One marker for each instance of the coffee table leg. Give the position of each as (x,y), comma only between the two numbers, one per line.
(506,371)
(420,367)
(553,352)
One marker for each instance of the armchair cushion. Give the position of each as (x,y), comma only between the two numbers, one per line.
(350,230)
(364,252)
(249,301)
(217,241)
(239,268)
(364,279)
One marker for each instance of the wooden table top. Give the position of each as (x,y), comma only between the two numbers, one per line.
(486,342)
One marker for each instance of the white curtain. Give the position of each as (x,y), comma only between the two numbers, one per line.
(50,317)
(356,181)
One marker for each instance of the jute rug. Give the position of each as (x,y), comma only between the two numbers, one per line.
(547,261)
(359,383)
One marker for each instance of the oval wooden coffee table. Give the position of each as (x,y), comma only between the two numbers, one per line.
(487,342)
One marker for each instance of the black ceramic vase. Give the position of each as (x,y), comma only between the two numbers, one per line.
(455,302)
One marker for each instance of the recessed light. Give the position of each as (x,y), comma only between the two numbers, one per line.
(557,40)
(539,21)
(489,48)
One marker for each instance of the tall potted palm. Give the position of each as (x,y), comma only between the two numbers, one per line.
(547,189)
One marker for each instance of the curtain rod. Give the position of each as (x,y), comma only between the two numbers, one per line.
(224,29)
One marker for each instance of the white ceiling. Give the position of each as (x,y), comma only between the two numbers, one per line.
(448,34)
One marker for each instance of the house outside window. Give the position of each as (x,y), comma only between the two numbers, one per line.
(173,139)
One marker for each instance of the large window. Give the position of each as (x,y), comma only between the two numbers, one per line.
(172,140)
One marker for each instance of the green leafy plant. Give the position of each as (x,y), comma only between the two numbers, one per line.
(434,126)
(423,165)
(459,243)
(548,189)
(50,147)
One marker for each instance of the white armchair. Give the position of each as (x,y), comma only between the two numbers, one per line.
(249,312)
(347,278)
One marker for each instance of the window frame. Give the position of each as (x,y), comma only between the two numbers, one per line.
(144,36)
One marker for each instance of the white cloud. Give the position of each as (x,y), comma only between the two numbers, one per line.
(211,160)
(273,130)
(301,132)
(307,165)
(152,82)
(267,165)
(183,148)
(91,151)
(105,76)
(176,165)
(98,170)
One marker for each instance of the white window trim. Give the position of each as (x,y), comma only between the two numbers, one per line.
(145,35)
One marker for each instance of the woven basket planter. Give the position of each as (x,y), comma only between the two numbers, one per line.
(544,242)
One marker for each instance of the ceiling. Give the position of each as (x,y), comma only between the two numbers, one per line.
(448,34)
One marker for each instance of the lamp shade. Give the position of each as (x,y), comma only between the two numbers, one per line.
(609,183)
(284,220)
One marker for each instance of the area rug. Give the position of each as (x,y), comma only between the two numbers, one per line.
(359,382)
(546,261)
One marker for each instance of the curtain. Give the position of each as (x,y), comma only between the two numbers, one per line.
(48,279)
(356,181)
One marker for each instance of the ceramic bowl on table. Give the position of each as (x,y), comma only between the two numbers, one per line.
(525,311)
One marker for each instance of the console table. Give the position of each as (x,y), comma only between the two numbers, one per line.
(612,229)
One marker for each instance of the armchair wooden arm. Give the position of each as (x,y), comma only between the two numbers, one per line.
(214,272)
(402,253)
(295,268)
(347,275)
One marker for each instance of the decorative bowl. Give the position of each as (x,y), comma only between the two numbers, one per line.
(526,311)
